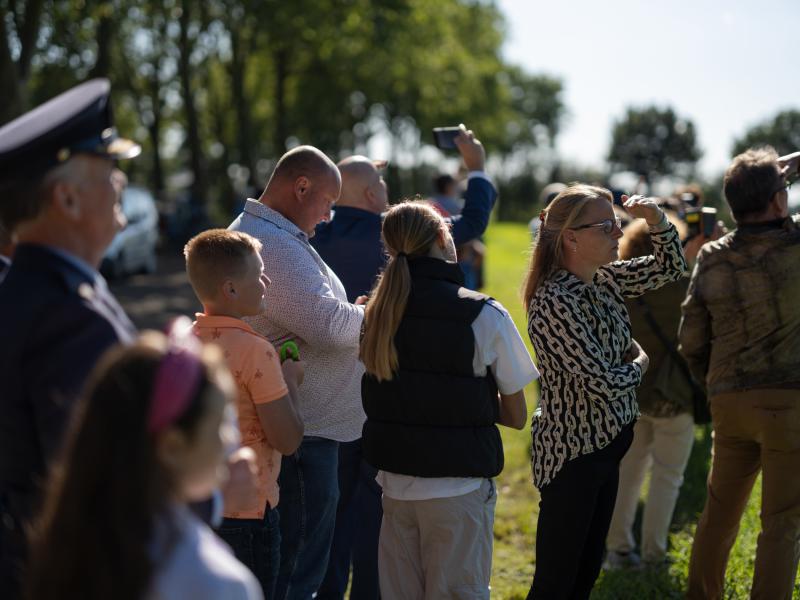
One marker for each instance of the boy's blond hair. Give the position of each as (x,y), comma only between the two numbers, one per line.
(216,255)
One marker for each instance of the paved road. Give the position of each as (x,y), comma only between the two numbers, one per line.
(151,301)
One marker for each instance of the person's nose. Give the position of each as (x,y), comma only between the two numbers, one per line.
(617,232)
(267,281)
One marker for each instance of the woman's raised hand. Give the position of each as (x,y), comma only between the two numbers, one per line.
(643,208)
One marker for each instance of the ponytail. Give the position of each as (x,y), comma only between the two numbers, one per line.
(409,231)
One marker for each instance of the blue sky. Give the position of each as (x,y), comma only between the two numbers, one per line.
(724,65)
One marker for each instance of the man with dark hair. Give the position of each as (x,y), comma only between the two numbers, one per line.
(740,334)
(56,313)
(445,195)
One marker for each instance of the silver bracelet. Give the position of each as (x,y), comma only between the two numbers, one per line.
(662,225)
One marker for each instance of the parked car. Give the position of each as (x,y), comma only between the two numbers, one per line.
(133,249)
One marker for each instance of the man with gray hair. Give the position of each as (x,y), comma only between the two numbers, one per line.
(56,313)
(740,335)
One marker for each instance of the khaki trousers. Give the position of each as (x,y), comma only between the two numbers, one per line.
(436,549)
(661,445)
(757,430)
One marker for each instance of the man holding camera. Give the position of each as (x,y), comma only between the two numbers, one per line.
(740,334)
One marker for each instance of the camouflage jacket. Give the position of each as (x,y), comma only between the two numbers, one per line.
(740,327)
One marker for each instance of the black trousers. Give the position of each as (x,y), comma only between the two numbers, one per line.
(574,515)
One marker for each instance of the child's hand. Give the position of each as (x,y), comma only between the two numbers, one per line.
(241,489)
(294,371)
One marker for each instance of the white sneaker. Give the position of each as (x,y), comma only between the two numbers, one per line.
(622,560)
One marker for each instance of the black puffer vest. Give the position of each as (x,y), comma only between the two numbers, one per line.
(434,418)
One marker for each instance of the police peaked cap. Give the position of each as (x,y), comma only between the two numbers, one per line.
(79,121)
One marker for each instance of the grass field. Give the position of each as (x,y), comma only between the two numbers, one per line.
(517,507)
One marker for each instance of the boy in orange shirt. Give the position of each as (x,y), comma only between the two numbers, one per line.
(226,272)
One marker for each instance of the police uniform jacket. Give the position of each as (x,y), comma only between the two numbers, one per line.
(56,320)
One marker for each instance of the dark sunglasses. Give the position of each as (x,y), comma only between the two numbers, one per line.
(607,226)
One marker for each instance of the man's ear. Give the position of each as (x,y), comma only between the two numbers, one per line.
(302,185)
(63,199)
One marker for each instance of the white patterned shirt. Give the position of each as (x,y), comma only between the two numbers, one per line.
(307,303)
(580,334)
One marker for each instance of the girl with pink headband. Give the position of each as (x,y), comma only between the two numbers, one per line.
(150,436)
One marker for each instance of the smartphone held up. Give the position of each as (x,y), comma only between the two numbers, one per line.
(444,137)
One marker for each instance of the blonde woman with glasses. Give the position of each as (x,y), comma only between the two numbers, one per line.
(579,327)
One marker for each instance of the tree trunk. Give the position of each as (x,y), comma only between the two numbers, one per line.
(27,38)
(281,58)
(197,161)
(10,99)
(154,129)
(241,104)
(104,34)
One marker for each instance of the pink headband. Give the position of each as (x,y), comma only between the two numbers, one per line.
(177,377)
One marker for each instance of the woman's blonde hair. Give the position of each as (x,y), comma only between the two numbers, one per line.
(409,231)
(561,214)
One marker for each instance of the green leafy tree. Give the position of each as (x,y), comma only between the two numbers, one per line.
(20,26)
(653,142)
(782,132)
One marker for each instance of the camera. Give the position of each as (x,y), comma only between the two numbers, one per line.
(700,220)
(445,136)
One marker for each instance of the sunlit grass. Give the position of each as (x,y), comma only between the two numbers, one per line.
(517,506)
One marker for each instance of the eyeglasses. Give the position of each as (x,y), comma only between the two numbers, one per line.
(786,184)
(607,225)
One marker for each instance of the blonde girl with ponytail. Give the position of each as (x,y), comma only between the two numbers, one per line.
(444,366)
(578,324)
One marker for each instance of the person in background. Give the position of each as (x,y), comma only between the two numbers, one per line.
(443,366)
(546,196)
(226,273)
(740,335)
(445,196)
(664,434)
(307,303)
(162,408)
(578,324)
(350,243)
(57,316)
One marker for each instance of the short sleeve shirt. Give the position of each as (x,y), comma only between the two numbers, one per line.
(256,368)
(499,349)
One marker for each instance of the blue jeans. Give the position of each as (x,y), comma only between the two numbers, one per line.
(257,543)
(309,495)
(358,527)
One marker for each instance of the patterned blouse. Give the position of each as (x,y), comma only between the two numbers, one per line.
(581,333)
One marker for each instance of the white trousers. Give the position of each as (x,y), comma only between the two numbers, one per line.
(663,444)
